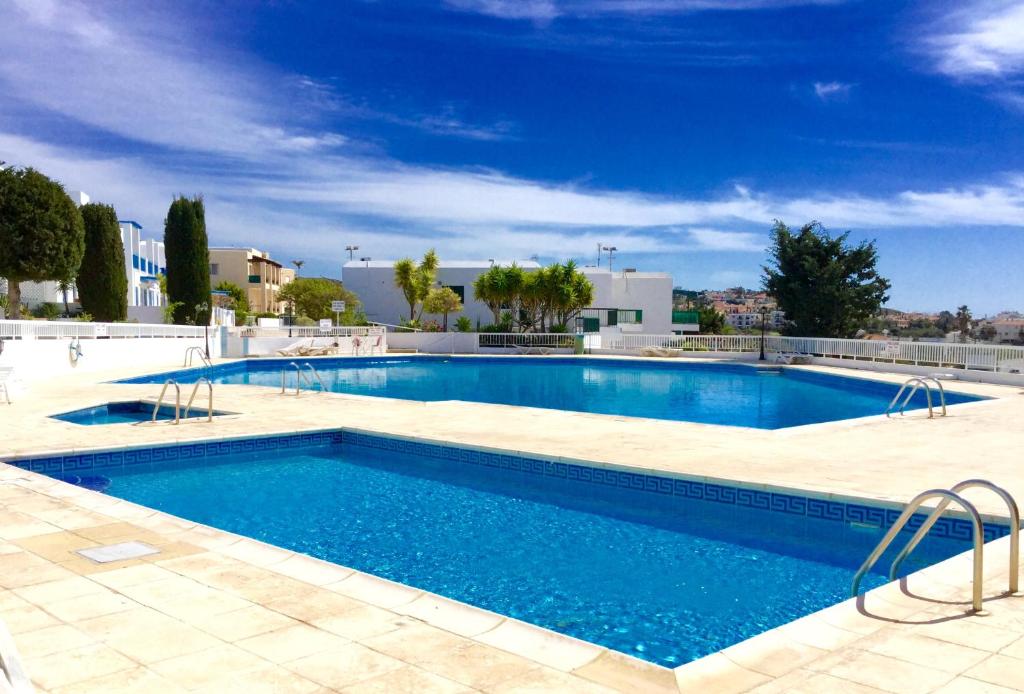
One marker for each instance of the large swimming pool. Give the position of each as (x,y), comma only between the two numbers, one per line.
(732,394)
(661,568)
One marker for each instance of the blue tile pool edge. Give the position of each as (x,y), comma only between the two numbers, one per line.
(810,504)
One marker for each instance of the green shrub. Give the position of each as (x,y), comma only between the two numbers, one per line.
(47,311)
(304,321)
(463,324)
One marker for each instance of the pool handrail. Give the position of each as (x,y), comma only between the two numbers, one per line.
(209,402)
(298,377)
(918,382)
(912,507)
(1011,505)
(177,400)
(316,375)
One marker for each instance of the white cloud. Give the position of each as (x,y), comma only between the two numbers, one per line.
(980,40)
(547,10)
(714,240)
(827,91)
(734,278)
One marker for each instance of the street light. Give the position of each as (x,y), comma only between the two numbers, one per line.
(351,251)
(764,322)
(610,250)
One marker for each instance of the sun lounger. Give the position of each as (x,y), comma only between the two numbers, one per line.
(6,376)
(531,349)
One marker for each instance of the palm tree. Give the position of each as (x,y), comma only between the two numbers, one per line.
(65,287)
(298,266)
(963,322)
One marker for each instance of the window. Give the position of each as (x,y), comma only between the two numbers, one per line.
(214,268)
(460,290)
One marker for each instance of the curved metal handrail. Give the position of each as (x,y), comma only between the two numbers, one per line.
(917,383)
(316,374)
(942,391)
(1011,504)
(209,402)
(298,377)
(177,400)
(908,512)
(202,356)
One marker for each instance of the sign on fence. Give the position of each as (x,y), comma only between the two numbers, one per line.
(326,324)
(338,306)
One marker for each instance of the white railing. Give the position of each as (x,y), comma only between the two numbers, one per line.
(51,330)
(687,343)
(938,354)
(513,340)
(307,331)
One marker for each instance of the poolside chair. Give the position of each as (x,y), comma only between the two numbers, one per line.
(6,376)
(531,349)
(377,345)
(294,349)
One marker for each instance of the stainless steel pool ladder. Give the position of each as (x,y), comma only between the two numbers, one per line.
(177,400)
(202,356)
(918,382)
(316,375)
(209,401)
(948,496)
(300,376)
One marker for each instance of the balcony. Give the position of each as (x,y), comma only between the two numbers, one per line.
(593,319)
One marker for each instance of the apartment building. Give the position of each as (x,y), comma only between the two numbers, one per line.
(254,271)
(749,320)
(144,262)
(626,301)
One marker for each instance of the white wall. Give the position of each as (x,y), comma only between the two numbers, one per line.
(239,346)
(651,292)
(42,359)
(383,302)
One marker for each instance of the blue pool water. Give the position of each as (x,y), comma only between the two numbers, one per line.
(664,578)
(124,413)
(737,395)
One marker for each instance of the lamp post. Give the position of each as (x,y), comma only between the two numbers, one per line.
(764,324)
(611,250)
(351,251)
(203,309)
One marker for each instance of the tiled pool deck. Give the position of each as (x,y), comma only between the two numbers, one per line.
(219,613)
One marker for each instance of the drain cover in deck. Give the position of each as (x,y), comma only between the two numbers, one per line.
(118,552)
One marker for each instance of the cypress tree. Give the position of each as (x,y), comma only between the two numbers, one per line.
(188,260)
(102,282)
(41,235)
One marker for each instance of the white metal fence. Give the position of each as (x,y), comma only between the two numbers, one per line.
(307,331)
(52,330)
(938,354)
(525,340)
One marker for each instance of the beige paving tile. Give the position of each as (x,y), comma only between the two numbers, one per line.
(344,666)
(147,636)
(412,680)
(456,617)
(415,642)
(970,631)
(243,623)
(314,604)
(476,665)
(820,683)
(55,591)
(1015,649)
(968,685)
(26,617)
(375,591)
(312,571)
(1000,669)
(772,653)
(540,645)
(75,665)
(272,679)
(195,670)
(618,671)
(137,680)
(922,650)
(541,680)
(362,622)
(52,639)
(291,643)
(881,672)
(716,673)
(89,606)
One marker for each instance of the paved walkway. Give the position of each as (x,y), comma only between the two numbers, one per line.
(215,612)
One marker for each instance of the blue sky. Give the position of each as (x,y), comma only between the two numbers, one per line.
(676,130)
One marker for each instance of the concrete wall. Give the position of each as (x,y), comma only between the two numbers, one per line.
(41,359)
(651,292)
(240,346)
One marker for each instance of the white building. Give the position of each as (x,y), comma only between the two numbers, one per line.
(752,321)
(627,301)
(144,259)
